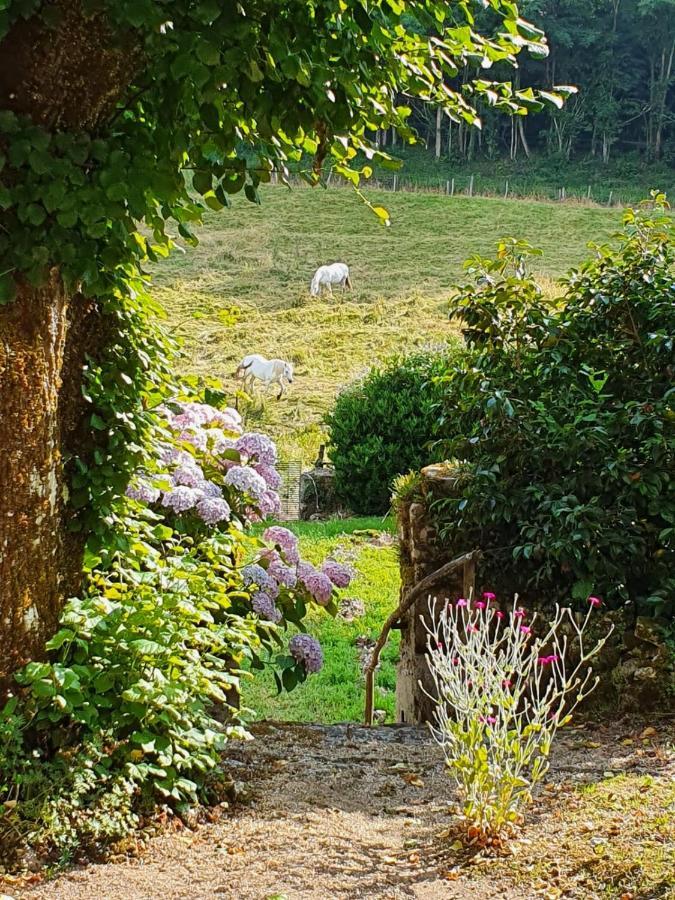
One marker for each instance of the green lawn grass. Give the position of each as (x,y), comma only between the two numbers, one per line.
(336,694)
(258,261)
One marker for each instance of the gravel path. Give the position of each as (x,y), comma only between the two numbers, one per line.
(332,812)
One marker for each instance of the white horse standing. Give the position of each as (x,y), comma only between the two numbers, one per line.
(326,276)
(270,371)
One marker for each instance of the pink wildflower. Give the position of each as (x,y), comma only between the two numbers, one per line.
(455,660)
(506,683)
(488,596)
(439,645)
(525,629)
(499,614)
(479,604)
(595,601)
(462,602)
(519,613)
(472,628)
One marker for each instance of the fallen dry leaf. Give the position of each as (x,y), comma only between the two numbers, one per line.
(648,732)
(412,779)
(591,745)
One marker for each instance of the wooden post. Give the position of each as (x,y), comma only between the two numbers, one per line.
(452,188)
(506,190)
(609,202)
(395,180)
(447,187)
(471,186)
(588,193)
(562,193)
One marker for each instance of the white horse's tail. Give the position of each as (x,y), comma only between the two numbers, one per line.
(314,286)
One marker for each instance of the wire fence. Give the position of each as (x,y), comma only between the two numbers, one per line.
(479,186)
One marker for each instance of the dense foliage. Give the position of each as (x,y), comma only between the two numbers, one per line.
(621,57)
(383,426)
(141,689)
(560,419)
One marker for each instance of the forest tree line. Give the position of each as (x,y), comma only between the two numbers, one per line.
(620,54)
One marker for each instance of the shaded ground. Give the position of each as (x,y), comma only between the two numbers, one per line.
(343,811)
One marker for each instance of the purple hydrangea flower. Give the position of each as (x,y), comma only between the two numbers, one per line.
(270,504)
(213,510)
(188,475)
(282,573)
(210,489)
(143,491)
(255,574)
(257,446)
(285,540)
(307,651)
(169,455)
(263,604)
(195,436)
(338,574)
(245,479)
(319,586)
(182,498)
(270,474)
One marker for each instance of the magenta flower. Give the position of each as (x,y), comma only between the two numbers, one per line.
(462,602)
(595,601)
(525,629)
(499,614)
(553,658)
(506,683)
(544,660)
(488,596)
(489,720)
(479,604)
(472,628)
(455,660)
(519,613)
(439,645)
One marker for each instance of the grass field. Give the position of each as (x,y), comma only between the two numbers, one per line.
(245,288)
(336,694)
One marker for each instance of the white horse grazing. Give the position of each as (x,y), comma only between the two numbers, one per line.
(327,276)
(269,371)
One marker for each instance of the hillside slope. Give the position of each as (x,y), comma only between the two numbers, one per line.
(245,288)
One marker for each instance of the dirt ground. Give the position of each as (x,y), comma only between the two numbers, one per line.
(348,812)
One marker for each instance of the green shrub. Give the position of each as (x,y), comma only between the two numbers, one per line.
(382,427)
(562,417)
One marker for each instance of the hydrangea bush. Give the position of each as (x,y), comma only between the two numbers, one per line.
(502,689)
(209,473)
(187,594)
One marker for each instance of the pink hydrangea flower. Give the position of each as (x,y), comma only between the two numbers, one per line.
(265,607)
(213,510)
(338,574)
(307,651)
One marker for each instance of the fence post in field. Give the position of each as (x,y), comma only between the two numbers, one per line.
(471,186)
(562,193)
(452,188)
(588,193)
(395,180)
(506,190)
(609,201)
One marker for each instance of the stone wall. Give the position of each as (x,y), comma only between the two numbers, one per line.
(636,666)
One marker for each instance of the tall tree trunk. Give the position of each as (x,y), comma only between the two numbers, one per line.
(69,75)
(44,338)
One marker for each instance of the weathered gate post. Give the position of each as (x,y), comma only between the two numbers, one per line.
(420,556)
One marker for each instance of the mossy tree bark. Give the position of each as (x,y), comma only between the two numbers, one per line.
(66,75)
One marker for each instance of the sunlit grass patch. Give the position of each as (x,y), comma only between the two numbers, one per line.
(336,694)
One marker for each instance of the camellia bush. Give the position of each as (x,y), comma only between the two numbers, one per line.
(383,426)
(558,421)
(140,691)
(502,689)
